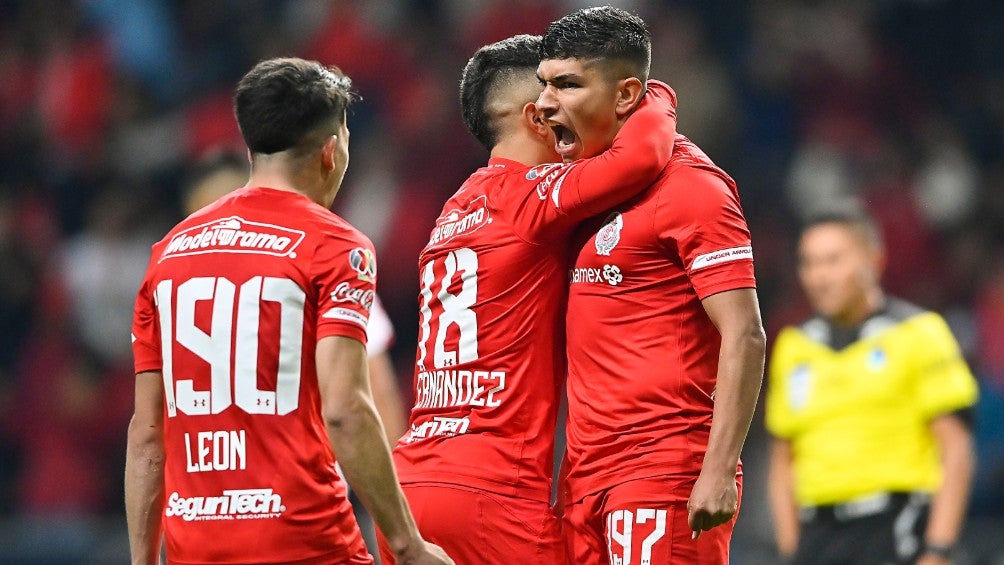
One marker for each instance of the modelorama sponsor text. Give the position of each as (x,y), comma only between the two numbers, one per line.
(458,222)
(234,235)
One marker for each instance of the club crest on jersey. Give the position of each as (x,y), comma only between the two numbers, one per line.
(455,222)
(608,235)
(234,235)
(363,262)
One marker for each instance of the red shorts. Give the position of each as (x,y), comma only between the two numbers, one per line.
(476,526)
(642,521)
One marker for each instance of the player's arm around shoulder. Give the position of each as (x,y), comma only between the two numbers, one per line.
(639,153)
(736,314)
(144,471)
(359,442)
(554,197)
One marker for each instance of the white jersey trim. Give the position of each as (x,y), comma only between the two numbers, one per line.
(346,315)
(721,256)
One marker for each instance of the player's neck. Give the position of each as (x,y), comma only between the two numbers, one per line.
(530,151)
(278,177)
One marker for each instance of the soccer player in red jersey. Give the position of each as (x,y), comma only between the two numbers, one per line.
(249,341)
(665,342)
(476,462)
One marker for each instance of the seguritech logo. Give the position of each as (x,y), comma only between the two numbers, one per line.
(233,505)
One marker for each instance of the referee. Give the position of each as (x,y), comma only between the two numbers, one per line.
(869,408)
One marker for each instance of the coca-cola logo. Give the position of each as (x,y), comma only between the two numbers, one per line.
(345,292)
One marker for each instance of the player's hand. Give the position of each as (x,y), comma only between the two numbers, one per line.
(424,554)
(713,502)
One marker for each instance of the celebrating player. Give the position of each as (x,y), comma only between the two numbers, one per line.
(665,343)
(476,462)
(249,336)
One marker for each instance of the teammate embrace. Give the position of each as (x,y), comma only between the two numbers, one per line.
(251,366)
(664,344)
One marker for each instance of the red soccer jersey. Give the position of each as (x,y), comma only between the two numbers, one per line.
(642,352)
(234,301)
(490,353)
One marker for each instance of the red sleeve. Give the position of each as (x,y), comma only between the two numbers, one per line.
(146,329)
(345,276)
(698,216)
(555,197)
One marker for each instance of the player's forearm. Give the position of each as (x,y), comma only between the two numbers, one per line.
(144,493)
(387,397)
(948,507)
(740,373)
(782,498)
(360,444)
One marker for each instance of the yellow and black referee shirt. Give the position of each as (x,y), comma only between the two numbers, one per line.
(856,405)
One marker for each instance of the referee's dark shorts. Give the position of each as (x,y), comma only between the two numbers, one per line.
(886,528)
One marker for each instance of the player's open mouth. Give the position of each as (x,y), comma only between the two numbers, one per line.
(565,142)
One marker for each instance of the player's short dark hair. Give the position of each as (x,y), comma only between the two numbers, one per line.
(491,68)
(281,100)
(853,217)
(600,33)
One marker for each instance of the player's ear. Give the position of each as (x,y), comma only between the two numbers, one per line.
(629,93)
(328,157)
(535,119)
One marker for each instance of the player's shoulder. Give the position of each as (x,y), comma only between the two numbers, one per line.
(487,187)
(690,170)
(692,189)
(510,180)
(335,231)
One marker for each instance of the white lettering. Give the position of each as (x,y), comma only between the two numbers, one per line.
(232,505)
(721,256)
(438,426)
(610,274)
(216,451)
(227,236)
(620,532)
(458,222)
(445,387)
(345,292)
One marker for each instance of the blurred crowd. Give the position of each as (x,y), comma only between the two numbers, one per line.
(107,108)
